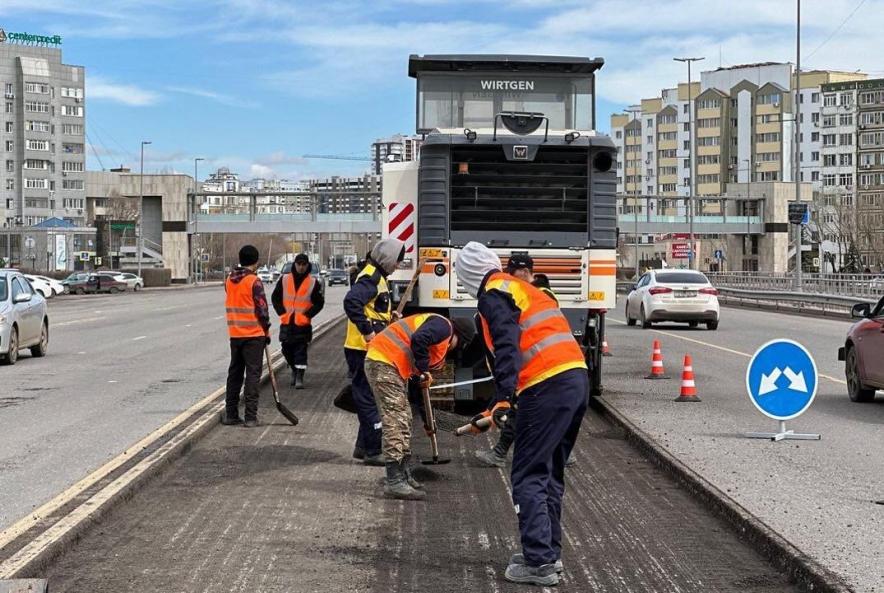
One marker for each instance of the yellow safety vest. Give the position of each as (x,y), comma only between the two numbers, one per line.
(354,339)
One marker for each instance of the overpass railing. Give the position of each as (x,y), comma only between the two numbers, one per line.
(864,286)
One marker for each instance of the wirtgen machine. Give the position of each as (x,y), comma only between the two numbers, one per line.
(509,158)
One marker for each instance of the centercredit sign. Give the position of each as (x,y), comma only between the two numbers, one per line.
(29,39)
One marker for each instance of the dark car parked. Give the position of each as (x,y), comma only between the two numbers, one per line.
(337,277)
(863,352)
(94,283)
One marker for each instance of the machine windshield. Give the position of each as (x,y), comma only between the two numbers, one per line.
(472,101)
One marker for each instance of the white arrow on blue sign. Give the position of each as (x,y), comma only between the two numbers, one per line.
(782,379)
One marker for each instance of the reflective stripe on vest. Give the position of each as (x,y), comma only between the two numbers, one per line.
(393,345)
(546,344)
(296,302)
(240,308)
(354,339)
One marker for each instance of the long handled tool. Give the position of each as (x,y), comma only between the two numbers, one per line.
(431,429)
(289,415)
(406,296)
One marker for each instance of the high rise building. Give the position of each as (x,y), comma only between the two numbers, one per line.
(42,129)
(348,194)
(396,148)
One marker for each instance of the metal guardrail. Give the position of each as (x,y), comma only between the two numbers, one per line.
(867,286)
(800,302)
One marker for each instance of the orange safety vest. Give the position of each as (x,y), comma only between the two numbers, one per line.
(393,345)
(296,302)
(241,319)
(546,343)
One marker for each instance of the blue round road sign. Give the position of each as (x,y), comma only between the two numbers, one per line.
(782,379)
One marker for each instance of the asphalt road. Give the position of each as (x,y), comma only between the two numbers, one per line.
(282,508)
(118,367)
(826,497)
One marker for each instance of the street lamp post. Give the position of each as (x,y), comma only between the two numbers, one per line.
(194,261)
(691,156)
(140,242)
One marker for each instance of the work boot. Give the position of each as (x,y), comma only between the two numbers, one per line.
(543,576)
(358,453)
(294,376)
(520,559)
(490,458)
(377,460)
(409,476)
(571,459)
(228,419)
(396,485)
(250,423)
(299,378)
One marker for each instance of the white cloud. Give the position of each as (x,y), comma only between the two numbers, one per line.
(228,100)
(128,94)
(262,171)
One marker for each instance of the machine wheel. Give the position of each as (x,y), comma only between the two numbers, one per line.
(42,346)
(855,389)
(712,325)
(592,348)
(12,355)
(629,320)
(646,324)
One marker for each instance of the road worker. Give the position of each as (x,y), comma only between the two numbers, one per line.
(297,299)
(409,349)
(369,310)
(541,281)
(248,324)
(539,367)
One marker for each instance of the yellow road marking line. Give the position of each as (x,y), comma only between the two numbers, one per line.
(717,347)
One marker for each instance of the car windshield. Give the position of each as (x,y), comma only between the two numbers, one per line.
(3,289)
(681,278)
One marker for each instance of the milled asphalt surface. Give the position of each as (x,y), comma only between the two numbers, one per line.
(282,508)
(825,497)
(118,367)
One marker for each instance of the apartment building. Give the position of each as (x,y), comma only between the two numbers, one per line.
(396,148)
(42,129)
(348,194)
(278,204)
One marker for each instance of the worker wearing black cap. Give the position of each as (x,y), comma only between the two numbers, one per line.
(297,299)
(521,265)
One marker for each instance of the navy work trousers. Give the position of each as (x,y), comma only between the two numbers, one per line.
(369,436)
(547,424)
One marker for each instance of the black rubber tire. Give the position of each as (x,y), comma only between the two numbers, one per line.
(855,389)
(39,351)
(646,324)
(712,325)
(693,323)
(629,320)
(137,287)
(79,291)
(42,294)
(12,356)
(113,290)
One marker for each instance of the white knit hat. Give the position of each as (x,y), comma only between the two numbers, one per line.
(473,263)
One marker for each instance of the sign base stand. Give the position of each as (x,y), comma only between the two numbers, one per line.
(783,434)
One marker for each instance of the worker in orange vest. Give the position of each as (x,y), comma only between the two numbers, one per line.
(248,324)
(409,349)
(539,367)
(297,298)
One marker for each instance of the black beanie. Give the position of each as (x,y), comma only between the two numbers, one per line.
(465,328)
(302,258)
(248,255)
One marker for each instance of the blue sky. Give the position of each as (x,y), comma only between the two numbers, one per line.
(254,84)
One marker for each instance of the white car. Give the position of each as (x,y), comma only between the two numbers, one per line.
(57,286)
(265,275)
(41,286)
(23,320)
(133,281)
(673,295)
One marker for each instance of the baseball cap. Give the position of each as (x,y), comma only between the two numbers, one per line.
(519,261)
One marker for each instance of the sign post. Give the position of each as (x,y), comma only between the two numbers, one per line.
(782,381)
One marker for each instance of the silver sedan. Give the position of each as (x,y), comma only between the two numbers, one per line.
(23,319)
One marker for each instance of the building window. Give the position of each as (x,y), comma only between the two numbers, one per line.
(72,93)
(9,107)
(10,184)
(709,104)
(829,121)
(10,166)
(846,99)
(829,100)
(845,179)
(709,141)
(829,139)
(72,148)
(72,184)
(846,119)
(814,136)
(815,118)
(686,145)
(829,160)
(768,99)
(767,157)
(669,118)
(770,176)
(10,146)
(37,126)
(36,183)
(668,153)
(713,178)
(845,160)
(650,122)
(767,137)
(846,140)
(709,122)
(36,107)
(814,97)
(667,187)
(36,164)
(871,98)
(814,175)
(72,167)
(72,110)
(72,129)
(618,134)
(664,136)
(686,108)
(814,156)
(828,180)
(37,88)
(650,139)
(871,139)
(9,125)
(73,203)
(37,145)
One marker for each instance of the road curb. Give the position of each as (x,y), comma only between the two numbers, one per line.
(802,569)
(55,540)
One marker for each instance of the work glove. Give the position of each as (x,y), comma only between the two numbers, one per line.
(426,379)
(497,414)
(395,316)
(500,413)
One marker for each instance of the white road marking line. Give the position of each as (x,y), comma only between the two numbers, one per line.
(81,353)
(111,381)
(220,317)
(138,338)
(188,325)
(75,321)
(737,352)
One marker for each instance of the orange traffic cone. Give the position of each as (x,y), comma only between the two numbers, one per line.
(605,350)
(657,371)
(688,387)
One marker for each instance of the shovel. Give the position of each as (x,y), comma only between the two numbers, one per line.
(431,429)
(289,415)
